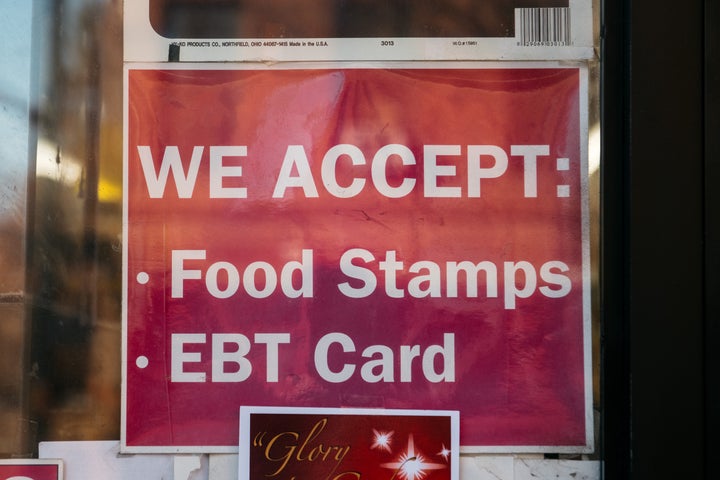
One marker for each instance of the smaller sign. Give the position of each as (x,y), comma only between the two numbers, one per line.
(348,444)
(31,469)
(277,30)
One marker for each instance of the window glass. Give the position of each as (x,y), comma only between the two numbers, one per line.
(61,157)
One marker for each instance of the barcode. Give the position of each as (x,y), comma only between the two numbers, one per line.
(542,26)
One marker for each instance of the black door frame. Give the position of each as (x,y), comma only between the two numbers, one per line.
(660,278)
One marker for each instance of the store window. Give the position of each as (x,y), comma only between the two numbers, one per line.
(74,87)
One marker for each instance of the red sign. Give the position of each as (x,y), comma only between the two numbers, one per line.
(375,238)
(348,444)
(29,469)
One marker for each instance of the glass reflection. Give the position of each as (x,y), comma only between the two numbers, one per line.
(70,279)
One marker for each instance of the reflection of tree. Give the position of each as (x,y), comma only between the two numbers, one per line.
(74,269)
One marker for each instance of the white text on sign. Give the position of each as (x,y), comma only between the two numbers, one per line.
(380,363)
(259,279)
(438,164)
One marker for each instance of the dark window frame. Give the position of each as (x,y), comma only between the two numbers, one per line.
(660,238)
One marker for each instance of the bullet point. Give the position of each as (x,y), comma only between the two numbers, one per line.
(141,361)
(143,278)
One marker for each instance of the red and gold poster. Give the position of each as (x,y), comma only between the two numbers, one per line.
(402,237)
(351,444)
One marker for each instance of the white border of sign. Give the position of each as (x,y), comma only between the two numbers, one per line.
(143,44)
(584,182)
